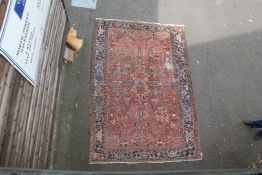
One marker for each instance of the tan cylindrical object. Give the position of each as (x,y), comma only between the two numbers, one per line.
(74,42)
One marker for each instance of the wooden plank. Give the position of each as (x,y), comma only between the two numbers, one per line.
(13,151)
(3,6)
(25,119)
(11,116)
(4,108)
(23,116)
(3,80)
(2,66)
(14,121)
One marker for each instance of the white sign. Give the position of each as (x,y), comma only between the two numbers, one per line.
(22,33)
(90,4)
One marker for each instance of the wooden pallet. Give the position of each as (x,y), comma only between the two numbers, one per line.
(26,112)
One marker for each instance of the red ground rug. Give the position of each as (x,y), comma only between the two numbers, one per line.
(142,105)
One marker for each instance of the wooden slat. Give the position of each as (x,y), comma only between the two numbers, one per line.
(17,126)
(10,117)
(3,80)
(24,119)
(5,102)
(2,67)
(22,116)
(3,7)
(13,121)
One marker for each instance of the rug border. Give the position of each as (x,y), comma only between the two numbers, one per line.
(90,95)
(141,22)
(194,106)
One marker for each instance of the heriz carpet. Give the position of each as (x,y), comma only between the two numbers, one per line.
(142,105)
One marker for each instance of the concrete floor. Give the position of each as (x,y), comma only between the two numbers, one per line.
(225,52)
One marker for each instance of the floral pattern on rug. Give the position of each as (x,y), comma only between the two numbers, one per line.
(142,105)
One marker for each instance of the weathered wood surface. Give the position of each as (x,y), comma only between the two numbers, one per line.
(26,112)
